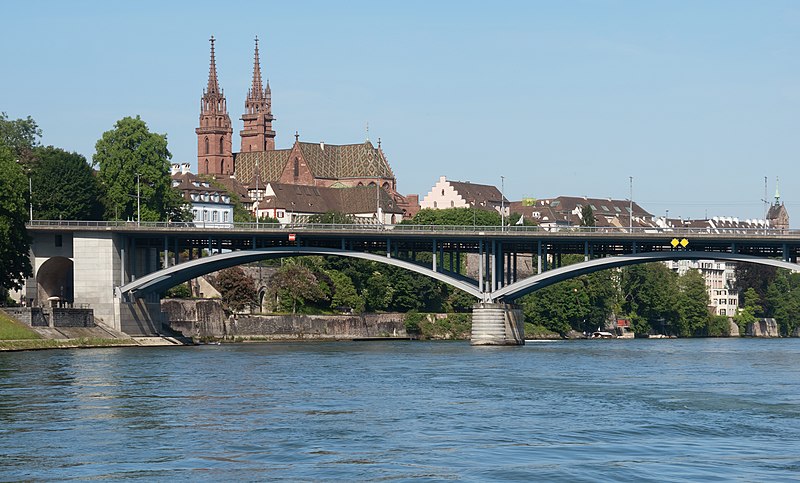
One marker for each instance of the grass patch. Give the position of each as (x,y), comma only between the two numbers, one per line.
(32,344)
(540,332)
(10,329)
(452,327)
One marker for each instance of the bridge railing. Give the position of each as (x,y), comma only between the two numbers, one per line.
(403,228)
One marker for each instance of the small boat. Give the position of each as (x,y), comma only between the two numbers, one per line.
(599,334)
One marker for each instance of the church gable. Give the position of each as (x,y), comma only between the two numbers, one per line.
(268,164)
(297,170)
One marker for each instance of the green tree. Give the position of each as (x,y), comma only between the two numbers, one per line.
(587,216)
(650,294)
(236,289)
(295,283)
(15,243)
(693,304)
(747,310)
(64,186)
(456,216)
(783,300)
(344,293)
(377,292)
(20,136)
(755,276)
(122,153)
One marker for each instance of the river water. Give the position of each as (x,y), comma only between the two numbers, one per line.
(634,410)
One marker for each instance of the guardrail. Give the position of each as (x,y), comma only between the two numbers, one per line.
(404,228)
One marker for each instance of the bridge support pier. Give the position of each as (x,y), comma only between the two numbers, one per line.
(497,324)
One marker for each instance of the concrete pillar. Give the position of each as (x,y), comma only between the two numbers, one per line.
(481,263)
(539,256)
(497,324)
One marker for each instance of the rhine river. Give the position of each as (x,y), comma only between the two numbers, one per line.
(634,410)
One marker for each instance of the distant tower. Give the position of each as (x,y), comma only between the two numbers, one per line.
(777,216)
(214,150)
(257,134)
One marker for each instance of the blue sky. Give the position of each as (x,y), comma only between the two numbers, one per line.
(697,100)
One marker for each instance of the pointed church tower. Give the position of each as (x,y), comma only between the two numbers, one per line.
(214,149)
(257,134)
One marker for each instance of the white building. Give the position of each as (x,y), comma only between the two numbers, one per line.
(720,280)
(463,194)
(210,206)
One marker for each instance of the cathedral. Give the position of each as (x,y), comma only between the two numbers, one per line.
(259,162)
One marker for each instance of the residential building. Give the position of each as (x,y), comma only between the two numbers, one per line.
(211,207)
(463,194)
(290,203)
(568,211)
(720,281)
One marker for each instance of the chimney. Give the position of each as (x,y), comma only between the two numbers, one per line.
(174,169)
(322,145)
(185,168)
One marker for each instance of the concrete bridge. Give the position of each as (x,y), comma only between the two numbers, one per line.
(120,269)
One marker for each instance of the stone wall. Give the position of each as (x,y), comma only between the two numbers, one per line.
(73,317)
(206,319)
(763,328)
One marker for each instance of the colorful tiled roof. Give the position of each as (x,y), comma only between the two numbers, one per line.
(327,161)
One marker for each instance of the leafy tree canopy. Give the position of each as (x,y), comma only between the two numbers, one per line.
(15,264)
(64,186)
(456,216)
(20,136)
(236,289)
(122,153)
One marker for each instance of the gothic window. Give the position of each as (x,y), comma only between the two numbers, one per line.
(296,167)
(221,139)
(206,166)
(206,145)
(222,166)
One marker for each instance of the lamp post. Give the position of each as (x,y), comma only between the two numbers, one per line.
(502,203)
(630,207)
(30,193)
(138,201)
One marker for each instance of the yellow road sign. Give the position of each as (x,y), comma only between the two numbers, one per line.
(684,242)
(674,243)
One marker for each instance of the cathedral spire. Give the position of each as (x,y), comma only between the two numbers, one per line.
(213,84)
(214,152)
(256,91)
(257,134)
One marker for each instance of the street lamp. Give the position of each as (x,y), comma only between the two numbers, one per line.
(630,207)
(138,201)
(502,203)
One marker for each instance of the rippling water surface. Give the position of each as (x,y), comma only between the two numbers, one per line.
(665,410)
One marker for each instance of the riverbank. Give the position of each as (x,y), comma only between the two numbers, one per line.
(16,336)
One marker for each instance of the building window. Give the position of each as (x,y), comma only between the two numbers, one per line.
(225,216)
(59,240)
(435,204)
(452,204)
(205,215)
(214,216)
(280,214)
(194,214)
(206,147)
(296,167)
(442,192)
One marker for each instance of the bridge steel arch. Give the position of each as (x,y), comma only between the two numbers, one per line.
(550,277)
(161,280)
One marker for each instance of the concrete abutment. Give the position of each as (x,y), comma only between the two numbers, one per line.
(497,324)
